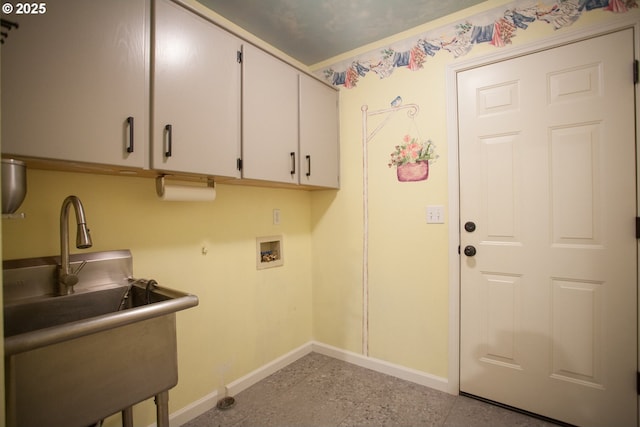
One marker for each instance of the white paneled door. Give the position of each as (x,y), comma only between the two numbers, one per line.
(548,247)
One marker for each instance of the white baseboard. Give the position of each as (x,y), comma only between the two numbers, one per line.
(200,406)
(398,371)
(193,410)
(272,367)
(208,402)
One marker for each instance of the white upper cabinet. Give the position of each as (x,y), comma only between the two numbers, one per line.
(269,117)
(319,148)
(74,83)
(149,84)
(290,124)
(196,94)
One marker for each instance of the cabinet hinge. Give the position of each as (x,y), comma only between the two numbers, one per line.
(239,57)
(239,164)
(638,383)
(635,72)
(638,227)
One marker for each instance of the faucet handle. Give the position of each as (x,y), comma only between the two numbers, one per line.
(68,281)
(80,267)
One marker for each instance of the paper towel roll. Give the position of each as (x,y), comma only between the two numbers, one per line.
(188,193)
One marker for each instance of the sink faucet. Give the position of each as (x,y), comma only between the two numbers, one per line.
(66,277)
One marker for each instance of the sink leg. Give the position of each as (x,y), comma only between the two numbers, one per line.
(127,417)
(162,409)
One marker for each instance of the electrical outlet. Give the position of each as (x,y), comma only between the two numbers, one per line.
(435,214)
(276,217)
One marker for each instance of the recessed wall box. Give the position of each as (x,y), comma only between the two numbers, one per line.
(269,252)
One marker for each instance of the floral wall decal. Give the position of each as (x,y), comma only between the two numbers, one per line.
(412,159)
(461,38)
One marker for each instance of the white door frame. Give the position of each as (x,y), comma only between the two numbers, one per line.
(453,165)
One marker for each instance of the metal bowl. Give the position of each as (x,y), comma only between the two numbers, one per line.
(14,185)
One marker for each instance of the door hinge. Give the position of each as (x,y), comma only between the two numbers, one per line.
(635,72)
(638,383)
(239,57)
(239,164)
(638,227)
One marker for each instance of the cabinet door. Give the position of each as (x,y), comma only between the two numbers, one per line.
(319,157)
(196,94)
(269,118)
(71,78)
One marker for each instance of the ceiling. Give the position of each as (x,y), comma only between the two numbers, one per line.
(312,31)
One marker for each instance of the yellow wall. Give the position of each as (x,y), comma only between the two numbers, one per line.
(408,258)
(246,318)
(408,285)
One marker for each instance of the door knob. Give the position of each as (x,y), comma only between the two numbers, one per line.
(470,226)
(469,250)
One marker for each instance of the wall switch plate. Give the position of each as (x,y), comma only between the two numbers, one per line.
(435,214)
(276,217)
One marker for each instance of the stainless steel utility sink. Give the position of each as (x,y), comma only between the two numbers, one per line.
(73,360)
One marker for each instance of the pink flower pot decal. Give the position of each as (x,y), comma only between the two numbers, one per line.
(412,158)
(418,171)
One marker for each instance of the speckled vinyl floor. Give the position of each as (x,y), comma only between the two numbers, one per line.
(318,390)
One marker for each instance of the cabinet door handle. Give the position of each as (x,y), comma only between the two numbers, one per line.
(169,131)
(130,124)
(293,163)
(308,165)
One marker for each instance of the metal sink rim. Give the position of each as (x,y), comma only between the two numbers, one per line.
(68,331)
(32,279)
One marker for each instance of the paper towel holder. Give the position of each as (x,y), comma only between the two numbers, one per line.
(160,184)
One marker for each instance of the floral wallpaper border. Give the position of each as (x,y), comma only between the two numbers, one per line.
(496,27)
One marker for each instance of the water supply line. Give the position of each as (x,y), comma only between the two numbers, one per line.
(151,285)
(148,284)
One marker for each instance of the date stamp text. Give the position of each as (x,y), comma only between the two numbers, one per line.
(24,8)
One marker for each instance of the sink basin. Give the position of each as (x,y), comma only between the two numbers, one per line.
(73,360)
(42,313)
